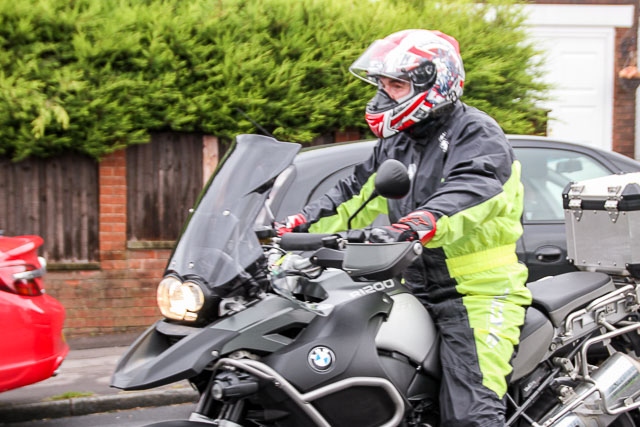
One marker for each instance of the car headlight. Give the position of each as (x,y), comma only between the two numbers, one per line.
(178,300)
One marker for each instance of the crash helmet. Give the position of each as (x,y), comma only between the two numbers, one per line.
(429,60)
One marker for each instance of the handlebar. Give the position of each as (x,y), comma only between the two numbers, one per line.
(310,241)
(307,241)
(369,261)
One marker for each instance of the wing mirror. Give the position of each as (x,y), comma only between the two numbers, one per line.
(391,181)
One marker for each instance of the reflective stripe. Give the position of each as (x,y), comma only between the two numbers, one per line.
(482,261)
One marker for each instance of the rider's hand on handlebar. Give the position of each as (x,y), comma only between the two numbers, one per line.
(418,225)
(392,233)
(290,224)
(422,222)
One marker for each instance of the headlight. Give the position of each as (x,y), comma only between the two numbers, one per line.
(179,301)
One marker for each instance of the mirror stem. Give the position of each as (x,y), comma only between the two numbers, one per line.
(373,195)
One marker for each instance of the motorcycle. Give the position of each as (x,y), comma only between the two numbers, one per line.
(314,329)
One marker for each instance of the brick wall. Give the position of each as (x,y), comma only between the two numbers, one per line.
(624,98)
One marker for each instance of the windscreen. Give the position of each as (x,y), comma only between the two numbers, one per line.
(218,242)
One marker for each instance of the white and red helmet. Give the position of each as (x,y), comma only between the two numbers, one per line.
(429,60)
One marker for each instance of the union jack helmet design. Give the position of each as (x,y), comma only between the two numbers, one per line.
(429,60)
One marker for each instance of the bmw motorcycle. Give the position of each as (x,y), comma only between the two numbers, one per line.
(314,329)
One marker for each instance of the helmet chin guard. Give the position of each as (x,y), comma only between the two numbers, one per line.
(396,117)
(429,60)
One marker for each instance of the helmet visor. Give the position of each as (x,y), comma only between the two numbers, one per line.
(385,58)
(374,63)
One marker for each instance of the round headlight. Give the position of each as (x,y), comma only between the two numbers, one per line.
(179,301)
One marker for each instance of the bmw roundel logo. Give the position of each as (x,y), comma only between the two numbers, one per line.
(321,358)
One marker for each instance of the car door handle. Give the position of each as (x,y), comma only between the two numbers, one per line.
(548,254)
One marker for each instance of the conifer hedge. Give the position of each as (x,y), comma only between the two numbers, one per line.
(95,76)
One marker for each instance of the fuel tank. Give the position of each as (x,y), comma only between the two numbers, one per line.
(410,330)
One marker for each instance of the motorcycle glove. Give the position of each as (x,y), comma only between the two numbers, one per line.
(423,223)
(392,233)
(291,223)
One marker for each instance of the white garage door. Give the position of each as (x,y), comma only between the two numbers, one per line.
(579,42)
(579,64)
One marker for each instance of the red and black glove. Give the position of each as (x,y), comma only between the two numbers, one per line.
(423,223)
(392,233)
(290,224)
(418,225)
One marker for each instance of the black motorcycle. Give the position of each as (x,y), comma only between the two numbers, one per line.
(313,329)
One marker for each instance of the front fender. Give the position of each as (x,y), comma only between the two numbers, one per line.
(152,361)
(166,352)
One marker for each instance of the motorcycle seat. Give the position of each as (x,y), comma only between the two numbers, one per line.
(558,296)
(535,338)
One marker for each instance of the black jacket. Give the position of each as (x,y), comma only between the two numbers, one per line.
(464,172)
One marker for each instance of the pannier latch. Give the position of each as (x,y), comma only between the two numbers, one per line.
(611,204)
(575,202)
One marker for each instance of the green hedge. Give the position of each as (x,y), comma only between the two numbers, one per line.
(95,76)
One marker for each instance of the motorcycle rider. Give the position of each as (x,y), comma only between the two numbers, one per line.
(464,206)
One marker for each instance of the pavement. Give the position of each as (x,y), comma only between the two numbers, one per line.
(82,386)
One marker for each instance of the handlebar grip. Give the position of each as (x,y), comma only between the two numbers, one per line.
(303,241)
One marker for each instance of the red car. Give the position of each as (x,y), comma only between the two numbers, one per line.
(32,345)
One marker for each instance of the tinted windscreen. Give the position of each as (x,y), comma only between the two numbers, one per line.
(219,242)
